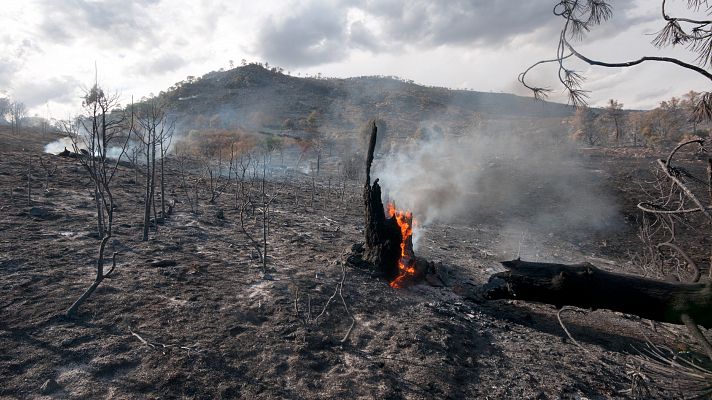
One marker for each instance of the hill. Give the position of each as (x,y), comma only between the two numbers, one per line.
(258,98)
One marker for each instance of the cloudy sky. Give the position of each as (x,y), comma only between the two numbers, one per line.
(48,48)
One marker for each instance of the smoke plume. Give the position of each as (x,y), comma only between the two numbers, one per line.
(507,176)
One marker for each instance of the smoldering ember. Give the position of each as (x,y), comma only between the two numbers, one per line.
(477,200)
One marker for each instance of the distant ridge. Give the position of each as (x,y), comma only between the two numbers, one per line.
(255,97)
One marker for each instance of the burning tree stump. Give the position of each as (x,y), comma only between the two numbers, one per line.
(383,235)
(388,249)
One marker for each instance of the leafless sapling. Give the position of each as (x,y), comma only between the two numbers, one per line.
(264,208)
(29,181)
(100,130)
(49,169)
(216,183)
(182,168)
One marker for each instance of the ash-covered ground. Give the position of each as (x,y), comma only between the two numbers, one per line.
(188,313)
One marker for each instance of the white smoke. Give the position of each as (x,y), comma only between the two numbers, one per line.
(58,145)
(112,153)
(522,179)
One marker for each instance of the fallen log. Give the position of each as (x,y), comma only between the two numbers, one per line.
(585,286)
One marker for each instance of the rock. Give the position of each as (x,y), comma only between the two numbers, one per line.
(434,280)
(236,330)
(357,248)
(49,386)
(39,212)
(163,263)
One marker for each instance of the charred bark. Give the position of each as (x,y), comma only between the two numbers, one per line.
(383,235)
(584,285)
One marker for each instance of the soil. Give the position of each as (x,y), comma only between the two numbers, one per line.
(189,314)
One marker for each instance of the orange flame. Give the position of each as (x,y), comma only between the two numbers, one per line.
(406,264)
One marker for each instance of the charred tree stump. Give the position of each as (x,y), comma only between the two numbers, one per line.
(585,286)
(383,236)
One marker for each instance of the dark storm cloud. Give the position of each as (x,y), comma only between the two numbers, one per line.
(319,32)
(118,22)
(59,89)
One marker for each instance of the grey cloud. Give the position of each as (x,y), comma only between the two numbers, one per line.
(461,21)
(360,37)
(8,69)
(652,95)
(482,23)
(13,59)
(121,23)
(318,32)
(164,63)
(311,36)
(58,89)
(26,48)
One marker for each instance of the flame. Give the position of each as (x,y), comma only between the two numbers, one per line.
(406,264)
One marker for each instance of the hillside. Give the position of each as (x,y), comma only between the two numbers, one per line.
(257,98)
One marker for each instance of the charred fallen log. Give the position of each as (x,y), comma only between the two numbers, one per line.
(383,236)
(67,153)
(585,286)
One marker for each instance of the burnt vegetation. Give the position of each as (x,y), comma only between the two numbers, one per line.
(250,234)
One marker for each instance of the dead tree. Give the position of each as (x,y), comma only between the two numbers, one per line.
(18,112)
(133,154)
(182,167)
(580,16)
(264,207)
(244,164)
(102,129)
(29,181)
(383,236)
(153,130)
(50,169)
(677,206)
(216,183)
(261,248)
(692,30)
(165,143)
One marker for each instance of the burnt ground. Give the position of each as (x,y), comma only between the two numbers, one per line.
(210,326)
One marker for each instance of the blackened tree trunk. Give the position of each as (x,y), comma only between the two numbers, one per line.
(152,199)
(585,286)
(163,183)
(383,235)
(147,195)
